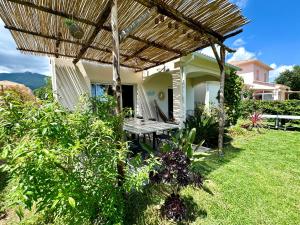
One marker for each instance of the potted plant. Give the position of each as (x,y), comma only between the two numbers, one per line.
(75,30)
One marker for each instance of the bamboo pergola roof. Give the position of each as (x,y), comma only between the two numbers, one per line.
(176,28)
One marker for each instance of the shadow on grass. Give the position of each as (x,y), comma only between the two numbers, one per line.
(150,200)
(214,160)
(194,211)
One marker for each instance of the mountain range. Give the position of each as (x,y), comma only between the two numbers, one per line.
(31,80)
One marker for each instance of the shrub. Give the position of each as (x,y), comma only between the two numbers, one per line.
(45,92)
(206,128)
(64,163)
(233,97)
(174,169)
(288,107)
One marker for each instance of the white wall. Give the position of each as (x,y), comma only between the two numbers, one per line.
(154,84)
(206,93)
(247,77)
(190,95)
(213,88)
(100,73)
(70,81)
(200,93)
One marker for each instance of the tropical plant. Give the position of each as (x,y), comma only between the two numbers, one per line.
(206,126)
(255,122)
(174,169)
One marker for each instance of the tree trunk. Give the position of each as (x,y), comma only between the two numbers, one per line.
(222,100)
(117,87)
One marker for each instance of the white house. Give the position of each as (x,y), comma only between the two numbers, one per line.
(177,87)
(256,76)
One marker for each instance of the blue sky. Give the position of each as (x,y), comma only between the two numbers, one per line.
(273,36)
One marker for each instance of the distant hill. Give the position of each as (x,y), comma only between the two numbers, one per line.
(31,80)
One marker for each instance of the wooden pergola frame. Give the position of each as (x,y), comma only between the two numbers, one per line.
(110,9)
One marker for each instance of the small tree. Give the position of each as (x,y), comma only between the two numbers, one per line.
(291,78)
(233,96)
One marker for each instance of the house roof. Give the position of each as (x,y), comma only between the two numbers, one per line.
(177,28)
(252,61)
(212,59)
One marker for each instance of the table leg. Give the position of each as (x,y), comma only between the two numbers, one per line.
(154,140)
(277,123)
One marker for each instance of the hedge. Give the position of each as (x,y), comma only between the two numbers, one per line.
(288,107)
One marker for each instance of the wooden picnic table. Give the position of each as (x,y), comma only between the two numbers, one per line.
(141,127)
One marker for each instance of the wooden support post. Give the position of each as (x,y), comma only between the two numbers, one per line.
(221,62)
(222,101)
(117,87)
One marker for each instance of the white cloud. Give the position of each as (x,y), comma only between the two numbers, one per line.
(239,42)
(209,52)
(240,3)
(11,60)
(242,54)
(4,69)
(279,69)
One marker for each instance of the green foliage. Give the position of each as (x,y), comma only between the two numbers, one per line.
(288,107)
(45,93)
(233,96)
(206,128)
(291,78)
(63,163)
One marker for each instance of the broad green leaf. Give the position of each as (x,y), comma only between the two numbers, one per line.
(72,202)
(4,153)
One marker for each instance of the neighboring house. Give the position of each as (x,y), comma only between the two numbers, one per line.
(177,87)
(256,77)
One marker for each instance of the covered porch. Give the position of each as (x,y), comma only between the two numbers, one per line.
(180,86)
(136,34)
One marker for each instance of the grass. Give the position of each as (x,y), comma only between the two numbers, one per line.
(257,182)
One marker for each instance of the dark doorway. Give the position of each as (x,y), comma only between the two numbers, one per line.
(170,103)
(128,96)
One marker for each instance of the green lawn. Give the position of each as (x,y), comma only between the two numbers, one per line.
(257,182)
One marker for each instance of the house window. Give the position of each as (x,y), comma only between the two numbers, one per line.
(257,75)
(266,77)
(99,90)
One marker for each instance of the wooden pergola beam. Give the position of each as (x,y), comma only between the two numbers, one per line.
(157,45)
(150,43)
(136,24)
(101,19)
(56,38)
(52,11)
(135,55)
(57,44)
(85,21)
(173,58)
(69,56)
(174,14)
(232,34)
